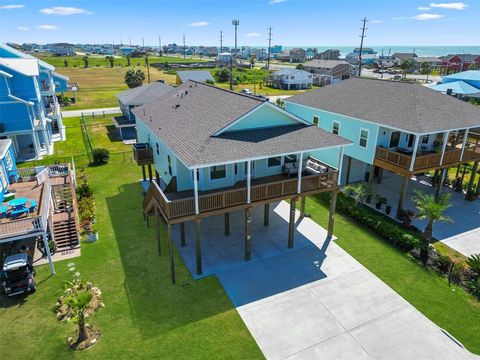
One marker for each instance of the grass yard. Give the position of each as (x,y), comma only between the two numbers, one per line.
(450,308)
(265,91)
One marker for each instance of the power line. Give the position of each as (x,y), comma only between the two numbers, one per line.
(269,46)
(361,46)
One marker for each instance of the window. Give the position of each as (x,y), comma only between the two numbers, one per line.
(169,161)
(394,139)
(274,161)
(315,120)
(218,172)
(411,137)
(363,138)
(336,127)
(236,168)
(158,149)
(425,139)
(149,138)
(8,159)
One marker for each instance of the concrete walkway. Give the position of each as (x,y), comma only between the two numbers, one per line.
(75,113)
(314,301)
(462,235)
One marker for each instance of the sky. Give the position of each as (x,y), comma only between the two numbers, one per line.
(294,22)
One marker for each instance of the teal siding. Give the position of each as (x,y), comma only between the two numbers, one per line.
(263,117)
(349,129)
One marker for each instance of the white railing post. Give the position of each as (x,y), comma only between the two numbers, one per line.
(444,146)
(300,165)
(249,178)
(340,165)
(414,154)
(464,143)
(47,251)
(195,190)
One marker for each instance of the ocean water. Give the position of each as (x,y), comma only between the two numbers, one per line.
(419,50)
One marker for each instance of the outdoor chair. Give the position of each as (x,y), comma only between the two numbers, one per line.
(17,212)
(33,205)
(3,211)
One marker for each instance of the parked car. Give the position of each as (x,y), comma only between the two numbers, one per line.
(18,275)
(247,92)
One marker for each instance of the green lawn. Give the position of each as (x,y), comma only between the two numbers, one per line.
(452,309)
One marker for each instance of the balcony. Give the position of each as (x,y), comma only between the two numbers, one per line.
(143,154)
(400,161)
(180,206)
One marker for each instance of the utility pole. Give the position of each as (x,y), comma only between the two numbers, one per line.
(159,45)
(234,23)
(361,46)
(221,41)
(269,46)
(184,49)
(143,43)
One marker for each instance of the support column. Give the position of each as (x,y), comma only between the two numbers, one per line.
(266,214)
(477,190)
(403,191)
(349,165)
(49,255)
(380,175)
(414,154)
(291,223)
(469,195)
(440,180)
(302,207)
(444,146)
(198,246)
(248,233)
(159,245)
(465,136)
(182,234)
(371,174)
(249,180)
(331,214)
(195,190)
(226,217)
(150,177)
(143,173)
(300,166)
(170,253)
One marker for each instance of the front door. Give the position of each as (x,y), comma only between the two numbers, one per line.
(395,139)
(252,169)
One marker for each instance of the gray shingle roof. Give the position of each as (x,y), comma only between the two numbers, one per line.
(186,124)
(143,94)
(195,75)
(325,64)
(400,105)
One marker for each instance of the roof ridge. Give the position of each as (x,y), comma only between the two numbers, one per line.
(228,91)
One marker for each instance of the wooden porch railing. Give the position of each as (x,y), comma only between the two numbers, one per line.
(143,154)
(224,199)
(428,161)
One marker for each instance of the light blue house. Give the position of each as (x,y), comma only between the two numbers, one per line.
(7,165)
(465,83)
(216,151)
(29,111)
(400,127)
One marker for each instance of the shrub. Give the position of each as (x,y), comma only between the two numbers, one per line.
(473,286)
(209,81)
(86,208)
(84,190)
(100,156)
(443,263)
(473,263)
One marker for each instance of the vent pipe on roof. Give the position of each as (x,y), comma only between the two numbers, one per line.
(449,91)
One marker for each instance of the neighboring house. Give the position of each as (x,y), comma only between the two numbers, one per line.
(216,151)
(131,98)
(127,50)
(466,83)
(225,57)
(290,79)
(61,49)
(434,62)
(459,62)
(283,56)
(195,75)
(275,49)
(29,111)
(330,54)
(404,56)
(49,213)
(400,127)
(329,71)
(386,61)
(368,56)
(297,55)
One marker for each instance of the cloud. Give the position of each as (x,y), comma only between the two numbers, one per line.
(272,2)
(423,8)
(376,21)
(425,17)
(399,18)
(252,34)
(64,10)
(199,23)
(12,6)
(47,27)
(23,28)
(451,6)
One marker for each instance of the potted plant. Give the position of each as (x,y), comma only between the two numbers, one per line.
(388,209)
(379,201)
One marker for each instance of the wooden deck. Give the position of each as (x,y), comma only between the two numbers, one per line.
(180,206)
(400,163)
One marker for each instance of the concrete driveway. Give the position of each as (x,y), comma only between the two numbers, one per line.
(314,301)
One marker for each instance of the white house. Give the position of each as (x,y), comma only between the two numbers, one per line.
(291,79)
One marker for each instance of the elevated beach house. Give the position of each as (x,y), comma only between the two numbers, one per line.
(29,111)
(399,127)
(216,151)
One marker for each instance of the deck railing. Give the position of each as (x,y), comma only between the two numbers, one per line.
(143,154)
(428,161)
(223,199)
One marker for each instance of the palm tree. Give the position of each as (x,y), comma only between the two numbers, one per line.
(78,303)
(406,65)
(425,69)
(128,59)
(252,61)
(360,192)
(430,209)
(111,60)
(134,78)
(85,61)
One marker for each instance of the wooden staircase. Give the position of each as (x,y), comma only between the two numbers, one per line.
(65,225)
